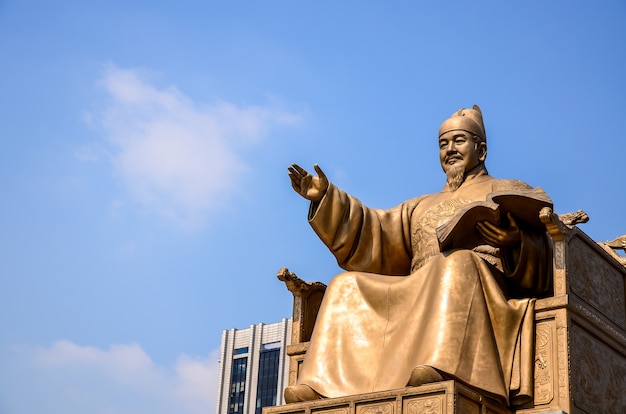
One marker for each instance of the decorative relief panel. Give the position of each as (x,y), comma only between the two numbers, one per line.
(598,374)
(331,410)
(559,257)
(544,363)
(433,405)
(562,363)
(596,281)
(378,408)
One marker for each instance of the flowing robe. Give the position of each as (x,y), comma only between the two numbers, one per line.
(403,303)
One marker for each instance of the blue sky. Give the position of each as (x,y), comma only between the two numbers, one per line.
(146,205)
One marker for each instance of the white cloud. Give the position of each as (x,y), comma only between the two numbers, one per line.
(71,378)
(178,157)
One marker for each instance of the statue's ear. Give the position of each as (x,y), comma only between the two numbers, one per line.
(482,151)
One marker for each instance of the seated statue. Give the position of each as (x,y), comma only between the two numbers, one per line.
(408,312)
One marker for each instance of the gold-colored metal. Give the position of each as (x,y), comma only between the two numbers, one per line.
(464,119)
(404,303)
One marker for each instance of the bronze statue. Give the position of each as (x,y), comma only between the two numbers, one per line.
(408,312)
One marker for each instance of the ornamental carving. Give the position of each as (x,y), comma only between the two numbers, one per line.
(544,363)
(384,408)
(424,237)
(597,376)
(333,411)
(424,406)
(597,282)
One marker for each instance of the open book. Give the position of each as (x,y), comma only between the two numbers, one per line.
(461,233)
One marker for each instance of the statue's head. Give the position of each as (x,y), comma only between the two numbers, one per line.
(462,143)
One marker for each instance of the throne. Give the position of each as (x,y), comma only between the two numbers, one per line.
(580,347)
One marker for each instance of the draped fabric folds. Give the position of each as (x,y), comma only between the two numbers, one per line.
(403,303)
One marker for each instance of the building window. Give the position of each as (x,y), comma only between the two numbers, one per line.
(273,345)
(237,385)
(240,351)
(267,387)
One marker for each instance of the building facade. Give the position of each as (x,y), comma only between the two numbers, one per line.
(254,368)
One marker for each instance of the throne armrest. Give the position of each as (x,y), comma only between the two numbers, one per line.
(307,298)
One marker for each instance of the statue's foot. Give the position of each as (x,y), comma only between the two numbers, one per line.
(423,374)
(300,393)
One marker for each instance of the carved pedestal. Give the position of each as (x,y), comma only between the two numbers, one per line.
(447,397)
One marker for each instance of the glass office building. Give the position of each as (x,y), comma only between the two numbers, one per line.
(254,369)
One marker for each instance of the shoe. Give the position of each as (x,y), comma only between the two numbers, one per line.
(300,393)
(423,374)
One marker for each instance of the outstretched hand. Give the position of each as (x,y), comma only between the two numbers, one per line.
(500,236)
(307,185)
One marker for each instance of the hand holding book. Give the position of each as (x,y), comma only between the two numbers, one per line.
(495,221)
(500,236)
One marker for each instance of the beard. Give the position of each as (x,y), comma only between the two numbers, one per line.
(455,176)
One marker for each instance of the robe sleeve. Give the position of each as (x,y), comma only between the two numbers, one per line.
(364,239)
(529,267)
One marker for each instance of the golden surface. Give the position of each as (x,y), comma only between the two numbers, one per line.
(404,303)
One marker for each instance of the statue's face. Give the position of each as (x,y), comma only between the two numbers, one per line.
(458,148)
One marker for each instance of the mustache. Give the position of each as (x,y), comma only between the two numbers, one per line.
(453,157)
